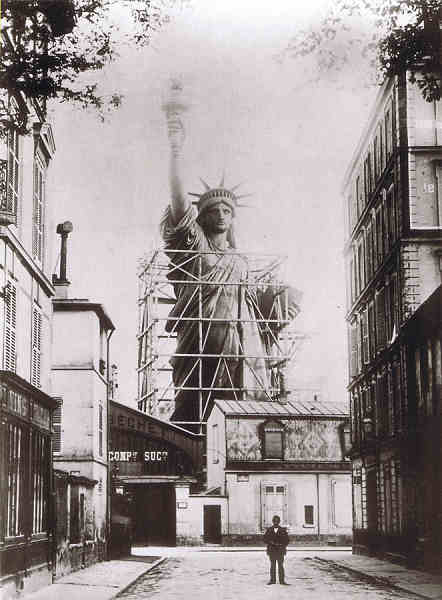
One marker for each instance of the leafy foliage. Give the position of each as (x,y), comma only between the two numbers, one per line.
(390,35)
(48,44)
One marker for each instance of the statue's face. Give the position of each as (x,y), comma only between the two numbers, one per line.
(218,218)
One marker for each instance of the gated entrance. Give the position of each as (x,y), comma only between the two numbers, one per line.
(153,514)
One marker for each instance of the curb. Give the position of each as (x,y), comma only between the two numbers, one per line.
(377,580)
(149,568)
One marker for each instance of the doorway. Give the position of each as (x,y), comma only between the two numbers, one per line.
(154,514)
(212,524)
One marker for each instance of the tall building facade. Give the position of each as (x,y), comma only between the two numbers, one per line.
(25,342)
(393,209)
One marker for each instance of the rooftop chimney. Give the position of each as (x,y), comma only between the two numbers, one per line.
(61,282)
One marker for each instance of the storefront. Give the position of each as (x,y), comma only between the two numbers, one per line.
(26,535)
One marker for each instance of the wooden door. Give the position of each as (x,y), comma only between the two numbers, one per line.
(212,524)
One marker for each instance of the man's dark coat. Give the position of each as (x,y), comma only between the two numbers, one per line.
(277,542)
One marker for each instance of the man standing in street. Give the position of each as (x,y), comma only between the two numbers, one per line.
(277,540)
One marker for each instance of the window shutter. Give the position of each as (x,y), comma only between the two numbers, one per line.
(56,423)
(38,211)
(10,352)
(365,339)
(372,329)
(353,349)
(100,430)
(380,318)
(36,347)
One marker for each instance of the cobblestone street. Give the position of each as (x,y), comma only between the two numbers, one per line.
(233,575)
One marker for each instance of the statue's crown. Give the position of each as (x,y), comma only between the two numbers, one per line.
(212,196)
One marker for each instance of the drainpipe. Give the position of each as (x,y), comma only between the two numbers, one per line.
(317,500)
(108,476)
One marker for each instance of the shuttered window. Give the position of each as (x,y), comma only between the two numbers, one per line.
(380,319)
(372,329)
(57,424)
(9,348)
(100,430)
(274,501)
(388,133)
(369,252)
(365,337)
(13,173)
(37,325)
(38,210)
(354,349)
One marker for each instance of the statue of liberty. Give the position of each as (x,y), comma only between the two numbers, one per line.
(224,325)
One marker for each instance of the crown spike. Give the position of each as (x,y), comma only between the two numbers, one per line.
(193,194)
(221,185)
(236,186)
(244,196)
(206,185)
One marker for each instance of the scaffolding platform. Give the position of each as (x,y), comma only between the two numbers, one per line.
(203,336)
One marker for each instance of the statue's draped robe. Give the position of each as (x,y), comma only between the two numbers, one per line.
(234,352)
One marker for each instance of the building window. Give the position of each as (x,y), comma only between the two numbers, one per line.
(100,430)
(354,348)
(372,329)
(308,515)
(274,502)
(40,481)
(37,325)
(379,235)
(359,201)
(215,443)
(369,252)
(368,173)
(16,490)
(56,423)
(381,148)
(388,133)
(360,265)
(273,440)
(380,319)
(10,196)
(365,337)
(9,347)
(38,209)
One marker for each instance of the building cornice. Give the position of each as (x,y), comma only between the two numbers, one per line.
(83,305)
(371,120)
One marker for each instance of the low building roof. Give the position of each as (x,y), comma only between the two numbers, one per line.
(315,408)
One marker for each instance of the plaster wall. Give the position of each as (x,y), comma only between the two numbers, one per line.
(190,518)
(329,494)
(216,449)
(76,339)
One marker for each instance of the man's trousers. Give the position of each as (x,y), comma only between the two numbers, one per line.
(276,558)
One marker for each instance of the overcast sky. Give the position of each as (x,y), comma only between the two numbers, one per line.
(262,121)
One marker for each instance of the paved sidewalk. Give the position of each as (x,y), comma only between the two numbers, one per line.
(396,576)
(180,550)
(101,581)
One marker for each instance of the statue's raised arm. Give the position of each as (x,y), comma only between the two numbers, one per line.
(173,108)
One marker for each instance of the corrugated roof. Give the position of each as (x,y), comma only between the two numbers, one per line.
(283,409)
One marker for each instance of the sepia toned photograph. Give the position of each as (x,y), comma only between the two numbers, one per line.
(220,299)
